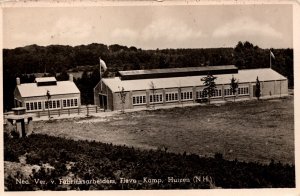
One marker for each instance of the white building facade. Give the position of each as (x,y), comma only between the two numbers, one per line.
(47,94)
(174,91)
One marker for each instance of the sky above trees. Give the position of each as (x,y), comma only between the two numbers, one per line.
(151,27)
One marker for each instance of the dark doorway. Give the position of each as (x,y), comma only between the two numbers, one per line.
(103,101)
(254,90)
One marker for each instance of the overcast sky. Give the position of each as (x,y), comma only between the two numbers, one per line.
(151,27)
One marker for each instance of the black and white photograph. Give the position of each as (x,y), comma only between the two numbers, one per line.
(148,96)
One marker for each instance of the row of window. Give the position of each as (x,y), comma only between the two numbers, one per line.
(203,94)
(169,97)
(37,105)
(51,104)
(187,95)
(228,92)
(68,103)
(241,91)
(137,100)
(156,98)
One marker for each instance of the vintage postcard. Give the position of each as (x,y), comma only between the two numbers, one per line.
(126,97)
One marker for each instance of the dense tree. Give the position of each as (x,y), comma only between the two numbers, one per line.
(234,86)
(62,76)
(48,95)
(257,89)
(210,85)
(122,94)
(153,93)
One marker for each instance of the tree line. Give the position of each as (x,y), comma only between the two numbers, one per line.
(58,60)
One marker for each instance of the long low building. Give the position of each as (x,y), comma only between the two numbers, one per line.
(144,88)
(47,94)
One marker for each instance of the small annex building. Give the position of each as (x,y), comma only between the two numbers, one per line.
(174,86)
(47,93)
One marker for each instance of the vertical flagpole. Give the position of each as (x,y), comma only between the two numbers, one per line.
(100,66)
(270,60)
(100,73)
(101,105)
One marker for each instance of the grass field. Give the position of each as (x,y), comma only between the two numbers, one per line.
(255,131)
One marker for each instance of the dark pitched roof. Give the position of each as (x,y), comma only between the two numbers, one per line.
(177,72)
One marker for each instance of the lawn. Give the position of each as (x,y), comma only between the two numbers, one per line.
(256,131)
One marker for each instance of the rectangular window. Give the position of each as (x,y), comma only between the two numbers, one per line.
(187,95)
(203,94)
(228,92)
(243,90)
(67,103)
(39,105)
(156,98)
(217,93)
(32,106)
(170,97)
(27,106)
(75,102)
(138,100)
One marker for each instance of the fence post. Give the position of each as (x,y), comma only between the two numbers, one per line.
(87,110)
(58,112)
(96,109)
(78,110)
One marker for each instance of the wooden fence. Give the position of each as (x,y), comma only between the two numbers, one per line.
(82,110)
(86,110)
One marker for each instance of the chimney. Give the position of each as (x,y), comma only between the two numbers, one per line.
(18,81)
(70,77)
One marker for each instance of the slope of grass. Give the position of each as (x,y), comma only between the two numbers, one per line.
(247,131)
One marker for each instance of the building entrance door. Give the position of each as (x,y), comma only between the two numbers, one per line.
(254,90)
(103,101)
